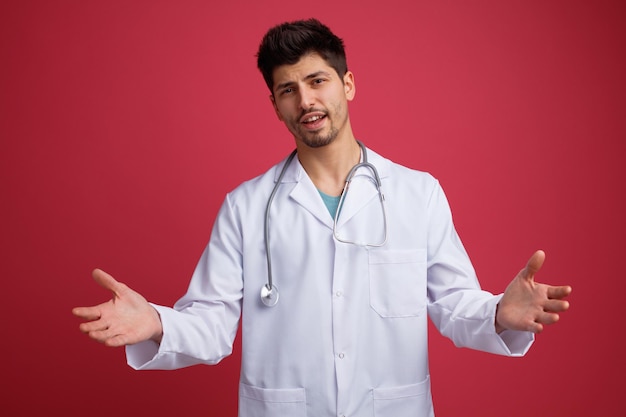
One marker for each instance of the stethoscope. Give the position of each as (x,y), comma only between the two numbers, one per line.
(269,292)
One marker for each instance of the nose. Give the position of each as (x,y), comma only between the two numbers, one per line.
(307,98)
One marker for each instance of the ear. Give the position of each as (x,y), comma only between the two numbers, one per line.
(273,100)
(349,86)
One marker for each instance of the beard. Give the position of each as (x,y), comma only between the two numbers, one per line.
(318,140)
(315,139)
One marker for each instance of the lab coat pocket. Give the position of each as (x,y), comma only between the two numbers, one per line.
(405,400)
(398,282)
(265,402)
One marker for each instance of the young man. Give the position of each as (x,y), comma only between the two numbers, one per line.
(358,273)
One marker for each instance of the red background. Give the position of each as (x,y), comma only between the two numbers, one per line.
(124,123)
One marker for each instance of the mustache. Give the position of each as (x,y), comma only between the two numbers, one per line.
(312,110)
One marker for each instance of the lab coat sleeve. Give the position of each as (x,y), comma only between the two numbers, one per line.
(457,306)
(202,325)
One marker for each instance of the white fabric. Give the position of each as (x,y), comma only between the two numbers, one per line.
(348,336)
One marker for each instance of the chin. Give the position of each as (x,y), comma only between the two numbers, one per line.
(318,141)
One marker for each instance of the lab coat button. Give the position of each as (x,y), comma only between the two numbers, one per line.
(338,293)
(341,355)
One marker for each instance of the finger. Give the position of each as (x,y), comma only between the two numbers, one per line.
(87,313)
(109,337)
(93,326)
(547,318)
(106,281)
(559,292)
(116,341)
(534,264)
(535,327)
(556,306)
(102,335)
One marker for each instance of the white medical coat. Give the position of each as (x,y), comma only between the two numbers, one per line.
(348,336)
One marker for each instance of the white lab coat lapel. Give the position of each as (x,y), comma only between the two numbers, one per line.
(304,192)
(360,193)
(357,196)
(362,190)
(361,217)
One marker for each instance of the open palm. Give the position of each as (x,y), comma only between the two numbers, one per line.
(124,320)
(527,305)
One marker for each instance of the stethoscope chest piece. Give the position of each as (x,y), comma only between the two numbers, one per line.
(269,296)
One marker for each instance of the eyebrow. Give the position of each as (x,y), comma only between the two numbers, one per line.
(308,77)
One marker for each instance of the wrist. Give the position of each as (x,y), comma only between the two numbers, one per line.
(499,328)
(157,335)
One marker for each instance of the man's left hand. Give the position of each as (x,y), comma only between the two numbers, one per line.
(527,305)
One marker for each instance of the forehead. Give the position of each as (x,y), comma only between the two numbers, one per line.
(308,64)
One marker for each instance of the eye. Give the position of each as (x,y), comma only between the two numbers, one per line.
(318,81)
(287,90)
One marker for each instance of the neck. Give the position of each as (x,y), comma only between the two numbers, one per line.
(329,165)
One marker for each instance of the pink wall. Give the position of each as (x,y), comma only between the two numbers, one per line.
(124,123)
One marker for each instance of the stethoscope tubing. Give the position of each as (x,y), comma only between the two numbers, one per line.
(269,292)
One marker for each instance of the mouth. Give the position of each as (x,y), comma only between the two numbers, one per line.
(313,121)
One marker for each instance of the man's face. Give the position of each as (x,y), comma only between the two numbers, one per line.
(312,100)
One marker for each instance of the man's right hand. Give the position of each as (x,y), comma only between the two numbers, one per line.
(126,319)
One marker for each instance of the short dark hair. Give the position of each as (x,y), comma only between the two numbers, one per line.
(286,43)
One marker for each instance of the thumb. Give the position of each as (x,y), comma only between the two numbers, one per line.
(106,280)
(534,264)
